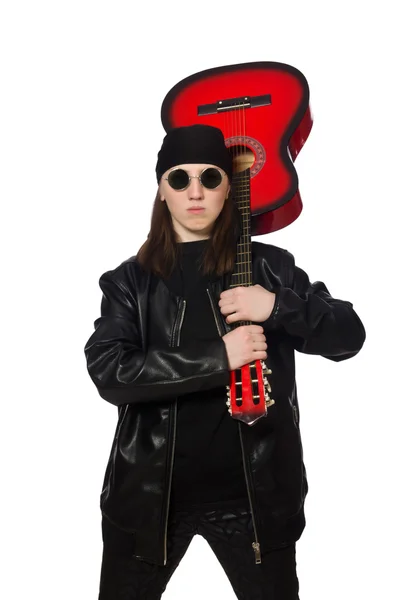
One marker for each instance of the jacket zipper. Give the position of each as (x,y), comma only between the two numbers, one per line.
(178,332)
(255,545)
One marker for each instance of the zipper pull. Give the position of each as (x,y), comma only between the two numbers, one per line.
(257,549)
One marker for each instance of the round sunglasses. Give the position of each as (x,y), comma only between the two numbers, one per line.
(210,178)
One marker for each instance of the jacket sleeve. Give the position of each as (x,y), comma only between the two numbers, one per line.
(124,372)
(316,322)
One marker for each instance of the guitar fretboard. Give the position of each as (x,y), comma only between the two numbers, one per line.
(242,274)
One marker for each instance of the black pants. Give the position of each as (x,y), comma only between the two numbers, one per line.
(230,535)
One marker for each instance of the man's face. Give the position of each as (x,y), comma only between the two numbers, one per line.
(190,225)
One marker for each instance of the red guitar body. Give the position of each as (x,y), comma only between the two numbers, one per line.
(262,108)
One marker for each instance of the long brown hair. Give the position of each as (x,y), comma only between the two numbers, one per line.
(161,251)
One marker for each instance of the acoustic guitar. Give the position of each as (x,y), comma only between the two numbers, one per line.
(263,111)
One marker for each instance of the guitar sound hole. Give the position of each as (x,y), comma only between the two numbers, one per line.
(243,158)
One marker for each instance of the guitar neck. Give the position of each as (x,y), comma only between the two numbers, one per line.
(242,273)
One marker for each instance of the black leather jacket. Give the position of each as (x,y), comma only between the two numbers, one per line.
(144,380)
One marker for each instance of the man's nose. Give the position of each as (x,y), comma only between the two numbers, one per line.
(195,188)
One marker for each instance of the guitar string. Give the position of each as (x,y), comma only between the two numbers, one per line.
(247,213)
(239,133)
(244,194)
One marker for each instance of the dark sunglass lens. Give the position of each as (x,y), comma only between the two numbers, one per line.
(211,178)
(178,179)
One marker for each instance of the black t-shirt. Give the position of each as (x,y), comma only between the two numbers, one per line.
(208,465)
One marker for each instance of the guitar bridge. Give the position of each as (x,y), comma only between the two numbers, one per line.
(234,104)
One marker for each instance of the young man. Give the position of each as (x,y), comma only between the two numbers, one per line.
(162,352)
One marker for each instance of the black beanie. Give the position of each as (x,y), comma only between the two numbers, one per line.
(194,144)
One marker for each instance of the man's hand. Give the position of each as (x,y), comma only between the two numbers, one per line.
(252,303)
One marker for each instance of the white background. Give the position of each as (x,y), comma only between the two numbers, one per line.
(82,84)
